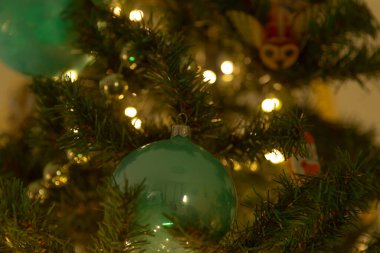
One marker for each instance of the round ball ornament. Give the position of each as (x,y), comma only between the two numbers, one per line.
(36,38)
(113,85)
(184,186)
(55,175)
(37,191)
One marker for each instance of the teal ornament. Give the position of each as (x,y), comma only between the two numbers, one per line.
(35,37)
(184,181)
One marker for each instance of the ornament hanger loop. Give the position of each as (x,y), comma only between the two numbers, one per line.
(181,128)
(181,119)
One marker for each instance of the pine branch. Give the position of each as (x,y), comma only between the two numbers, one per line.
(118,232)
(281,131)
(313,214)
(26,226)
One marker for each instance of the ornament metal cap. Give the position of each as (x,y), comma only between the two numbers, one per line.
(181,129)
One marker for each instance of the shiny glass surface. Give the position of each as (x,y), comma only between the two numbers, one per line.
(35,37)
(184,181)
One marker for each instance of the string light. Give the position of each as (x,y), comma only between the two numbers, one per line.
(275,156)
(271,104)
(71,74)
(209,76)
(136,15)
(227,67)
(117,11)
(136,122)
(237,165)
(130,112)
(254,166)
(264,79)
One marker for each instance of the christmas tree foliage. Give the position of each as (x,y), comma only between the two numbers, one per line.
(239,75)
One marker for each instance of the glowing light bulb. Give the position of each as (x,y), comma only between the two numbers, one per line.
(237,165)
(275,156)
(71,74)
(136,122)
(264,79)
(254,166)
(227,67)
(136,15)
(277,86)
(184,199)
(117,11)
(209,76)
(130,112)
(271,104)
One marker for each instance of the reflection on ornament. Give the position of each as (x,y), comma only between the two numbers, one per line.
(71,75)
(271,104)
(113,85)
(275,156)
(77,157)
(130,112)
(183,181)
(55,175)
(227,67)
(209,76)
(136,15)
(128,59)
(37,191)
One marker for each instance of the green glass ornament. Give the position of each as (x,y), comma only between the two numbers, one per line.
(36,39)
(113,85)
(184,181)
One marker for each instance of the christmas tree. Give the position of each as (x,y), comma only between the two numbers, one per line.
(171,126)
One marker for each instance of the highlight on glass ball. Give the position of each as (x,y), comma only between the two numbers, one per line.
(75,156)
(185,187)
(113,85)
(55,175)
(128,59)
